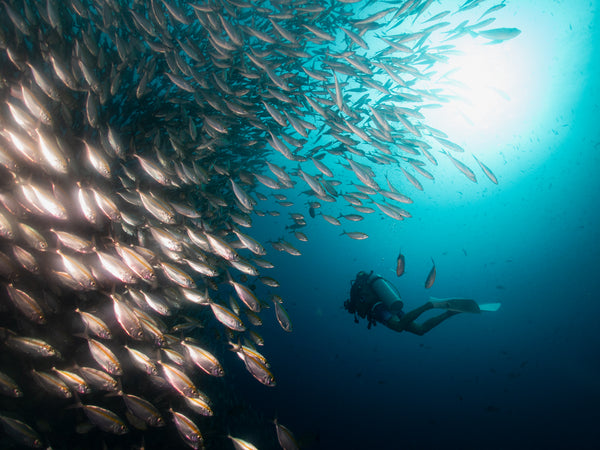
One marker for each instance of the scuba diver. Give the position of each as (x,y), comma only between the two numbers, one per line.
(376,299)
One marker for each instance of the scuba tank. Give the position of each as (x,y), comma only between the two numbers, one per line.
(386,293)
(369,290)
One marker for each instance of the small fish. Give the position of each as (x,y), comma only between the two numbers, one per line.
(178,276)
(142,361)
(500,34)
(9,387)
(28,306)
(240,444)
(246,296)
(179,380)
(98,379)
(136,262)
(105,357)
(199,405)
(116,268)
(221,248)
(144,410)
(95,324)
(356,235)
(255,365)
(285,437)
(281,314)
(174,356)
(33,237)
(400,266)
(462,167)
(204,359)
(127,319)
(158,208)
(73,380)
(21,432)
(431,276)
(78,271)
(188,430)
(105,419)
(227,317)
(73,241)
(31,346)
(51,384)
(487,171)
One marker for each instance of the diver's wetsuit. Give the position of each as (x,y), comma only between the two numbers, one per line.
(365,301)
(381,314)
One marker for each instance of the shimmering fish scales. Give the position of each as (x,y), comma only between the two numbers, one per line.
(144,410)
(136,262)
(179,380)
(116,267)
(400,265)
(21,432)
(356,235)
(26,304)
(257,368)
(431,276)
(246,295)
(487,171)
(98,379)
(227,317)
(199,405)
(51,384)
(188,430)
(9,387)
(240,444)
(204,359)
(105,419)
(285,437)
(177,276)
(31,346)
(105,357)
(500,34)
(94,324)
(126,318)
(142,361)
(221,248)
(282,316)
(74,381)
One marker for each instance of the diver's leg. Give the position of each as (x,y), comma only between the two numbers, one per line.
(411,316)
(421,329)
(406,321)
(395,324)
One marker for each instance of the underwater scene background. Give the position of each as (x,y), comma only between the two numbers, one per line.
(523,99)
(522,377)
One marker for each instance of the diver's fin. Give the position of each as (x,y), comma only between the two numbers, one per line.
(456,304)
(490,306)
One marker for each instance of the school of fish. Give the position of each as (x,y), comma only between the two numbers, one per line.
(137,140)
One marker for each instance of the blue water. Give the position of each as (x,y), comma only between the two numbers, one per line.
(525,377)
